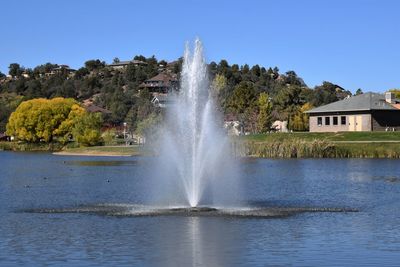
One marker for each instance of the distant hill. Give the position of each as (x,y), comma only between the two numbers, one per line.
(120,87)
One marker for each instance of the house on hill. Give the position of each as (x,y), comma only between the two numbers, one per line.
(60,69)
(123,64)
(365,112)
(161,83)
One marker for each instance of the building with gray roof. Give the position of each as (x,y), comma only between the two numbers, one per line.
(365,112)
(124,64)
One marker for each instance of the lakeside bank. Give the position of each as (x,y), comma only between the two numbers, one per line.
(319,145)
(109,151)
(58,149)
(272,145)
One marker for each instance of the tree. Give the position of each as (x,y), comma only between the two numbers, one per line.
(80,73)
(2,75)
(218,84)
(288,97)
(291,78)
(328,93)
(242,98)
(116,60)
(130,73)
(150,127)
(86,129)
(94,64)
(8,103)
(163,63)
(264,119)
(15,70)
(44,120)
(396,92)
(140,58)
(300,120)
(37,119)
(109,137)
(359,91)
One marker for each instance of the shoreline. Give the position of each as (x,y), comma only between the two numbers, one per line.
(92,154)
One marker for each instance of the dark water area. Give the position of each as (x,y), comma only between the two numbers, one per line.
(370,237)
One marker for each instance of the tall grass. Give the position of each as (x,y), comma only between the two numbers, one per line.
(295,148)
(298,148)
(19,146)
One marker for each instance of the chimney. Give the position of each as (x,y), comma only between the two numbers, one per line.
(389,97)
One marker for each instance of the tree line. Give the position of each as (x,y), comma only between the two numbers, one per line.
(254,95)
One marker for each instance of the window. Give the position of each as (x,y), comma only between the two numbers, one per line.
(319,121)
(327,120)
(335,120)
(343,120)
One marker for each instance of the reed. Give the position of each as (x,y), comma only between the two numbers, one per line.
(19,146)
(299,148)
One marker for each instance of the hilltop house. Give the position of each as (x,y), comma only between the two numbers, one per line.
(60,69)
(123,64)
(365,112)
(161,83)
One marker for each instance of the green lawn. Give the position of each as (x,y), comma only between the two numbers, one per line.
(340,136)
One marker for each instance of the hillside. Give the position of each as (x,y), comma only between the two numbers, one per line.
(118,87)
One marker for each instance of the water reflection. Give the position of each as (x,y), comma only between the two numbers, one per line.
(101,162)
(369,237)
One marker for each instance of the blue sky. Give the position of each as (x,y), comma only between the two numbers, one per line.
(355,44)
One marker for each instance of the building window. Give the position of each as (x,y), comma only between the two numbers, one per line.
(343,120)
(319,121)
(327,120)
(335,120)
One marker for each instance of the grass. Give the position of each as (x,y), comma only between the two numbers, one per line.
(368,150)
(317,145)
(21,146)
(333,137)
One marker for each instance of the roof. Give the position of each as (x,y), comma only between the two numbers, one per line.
(93,108)
(364,102)
(123,63)
(162,77)
(166,80)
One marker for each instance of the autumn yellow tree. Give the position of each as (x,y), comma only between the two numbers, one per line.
(46,120)
(300,120)
(86,129)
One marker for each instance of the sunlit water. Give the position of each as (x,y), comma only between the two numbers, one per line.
(370,237)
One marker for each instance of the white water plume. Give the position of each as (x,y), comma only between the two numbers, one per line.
(194,166)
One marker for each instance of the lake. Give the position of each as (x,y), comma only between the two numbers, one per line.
(370,237)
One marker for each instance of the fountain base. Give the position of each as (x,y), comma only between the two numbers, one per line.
(130,210)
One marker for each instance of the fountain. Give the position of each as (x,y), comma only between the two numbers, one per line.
(194,173)
(194,160)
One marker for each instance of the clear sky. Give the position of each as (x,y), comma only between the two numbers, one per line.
(354,43)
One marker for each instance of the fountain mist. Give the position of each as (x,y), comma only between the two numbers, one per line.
(194,160)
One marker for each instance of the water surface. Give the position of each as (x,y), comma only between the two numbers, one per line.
(370,237)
